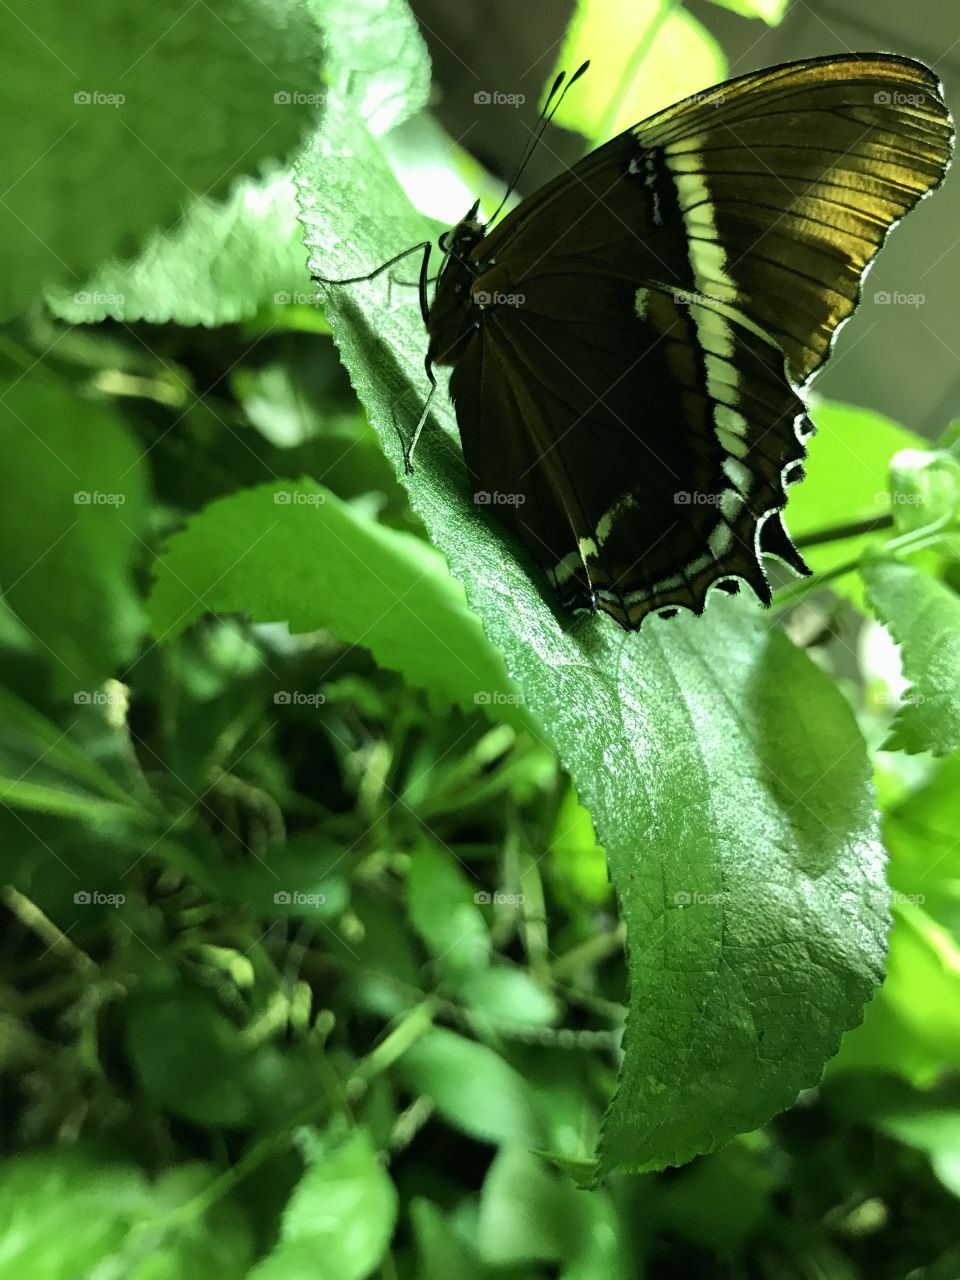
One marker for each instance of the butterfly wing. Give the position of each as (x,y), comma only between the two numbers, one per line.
(783,185)
(661,299)
(633,440)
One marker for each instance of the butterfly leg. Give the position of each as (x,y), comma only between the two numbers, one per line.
(409,448)
(423,247)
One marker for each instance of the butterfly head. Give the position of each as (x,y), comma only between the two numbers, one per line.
(460,240)
(453,317)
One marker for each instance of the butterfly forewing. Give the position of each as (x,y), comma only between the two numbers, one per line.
(627,342)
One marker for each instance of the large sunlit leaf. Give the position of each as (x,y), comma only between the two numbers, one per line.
(118,118)
(221,263)
(923,616)
(225,260)
(644,55)
(724,772)
(293,552)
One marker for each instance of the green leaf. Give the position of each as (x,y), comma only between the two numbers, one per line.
(293,552)
(923,980)
(920,833)
(506,995)
(65,1210)
(442,905)
(847,481)
(925,487)
(472,1087)
(923,616)
(222,263)
(108,137)
(725,774)
(196,1062)
(376,60)
(771,11)
(30,743)
(575,853)
(440,1251)
(721,1201)
(667,56)
(931,1129)
(68,541)
(528,1214)
(338,1222)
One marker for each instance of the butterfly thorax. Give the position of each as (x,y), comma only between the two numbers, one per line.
(455,313)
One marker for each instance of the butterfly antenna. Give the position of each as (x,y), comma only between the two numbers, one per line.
(550,108)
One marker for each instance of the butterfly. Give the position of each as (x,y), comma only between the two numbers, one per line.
(630,344)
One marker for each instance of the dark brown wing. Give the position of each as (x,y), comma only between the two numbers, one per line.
(783,185)
(634,440)
(625,398)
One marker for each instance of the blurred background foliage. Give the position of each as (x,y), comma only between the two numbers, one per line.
(309,949)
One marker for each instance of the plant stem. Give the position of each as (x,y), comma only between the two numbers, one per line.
(841,531)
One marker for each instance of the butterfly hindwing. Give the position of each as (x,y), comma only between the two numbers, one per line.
(637,439)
